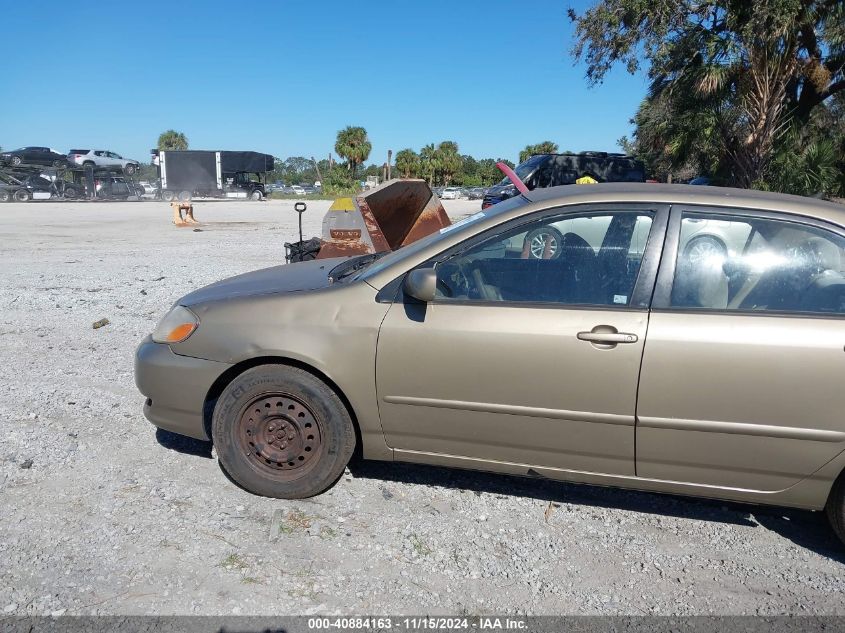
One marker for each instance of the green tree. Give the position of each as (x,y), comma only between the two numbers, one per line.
(353,145)
(429,163)
(448,160)
(741,72)
(407,163)
(546,147)
(171,139)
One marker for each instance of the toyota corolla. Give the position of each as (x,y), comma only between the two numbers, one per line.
(572,333)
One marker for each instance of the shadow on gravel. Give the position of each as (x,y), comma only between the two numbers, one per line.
(808,530)
(183,444)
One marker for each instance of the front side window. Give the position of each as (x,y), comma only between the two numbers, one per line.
(586,259)
(739,263)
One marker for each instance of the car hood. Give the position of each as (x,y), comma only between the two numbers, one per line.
(278,279)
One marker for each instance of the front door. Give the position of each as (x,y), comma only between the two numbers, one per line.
(742,375)
(530,353)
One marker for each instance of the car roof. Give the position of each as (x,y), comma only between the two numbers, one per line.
(690,194)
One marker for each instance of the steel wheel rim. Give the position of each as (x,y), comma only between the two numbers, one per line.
(279,435)
(538,245)
(704,250)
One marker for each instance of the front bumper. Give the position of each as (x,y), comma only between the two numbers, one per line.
(175,387)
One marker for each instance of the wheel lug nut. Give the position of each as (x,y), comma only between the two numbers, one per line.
(272,428)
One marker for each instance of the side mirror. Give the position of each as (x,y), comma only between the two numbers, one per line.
(420,283)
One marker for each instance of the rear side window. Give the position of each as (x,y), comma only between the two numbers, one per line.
(78,151)
(738,263)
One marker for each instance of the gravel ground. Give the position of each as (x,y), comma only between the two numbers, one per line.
(101,514)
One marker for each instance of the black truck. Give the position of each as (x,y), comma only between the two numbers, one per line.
(185,174)
(552,170)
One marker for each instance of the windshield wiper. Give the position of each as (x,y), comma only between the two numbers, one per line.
(353,265)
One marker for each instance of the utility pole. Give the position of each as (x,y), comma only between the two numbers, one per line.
(389,158)
(317,167)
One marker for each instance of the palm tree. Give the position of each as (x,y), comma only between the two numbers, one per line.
(171,139)
(353,145)
(448,160)
(428,163)
(408,163)
(546,147)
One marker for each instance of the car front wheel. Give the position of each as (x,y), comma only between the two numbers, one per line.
(255,195)
(5,196)
(129,169)
(282,432)
(16,160)
(22,195)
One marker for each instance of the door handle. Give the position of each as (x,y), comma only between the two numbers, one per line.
(608,338)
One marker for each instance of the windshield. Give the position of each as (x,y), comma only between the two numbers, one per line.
(393,257)
(524,170)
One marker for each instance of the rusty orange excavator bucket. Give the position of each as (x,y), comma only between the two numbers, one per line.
(394,214)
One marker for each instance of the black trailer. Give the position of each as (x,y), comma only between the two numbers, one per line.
(185,174)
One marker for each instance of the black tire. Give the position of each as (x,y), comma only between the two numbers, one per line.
(536,242)
(168,196)
(58,163)
(184,196)
(22,195)
(318,429)
(835,507)
(16,160)
(70,193)
(5,195)
(255,195)
(129,169)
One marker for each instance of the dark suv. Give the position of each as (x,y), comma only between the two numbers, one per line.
(551,170)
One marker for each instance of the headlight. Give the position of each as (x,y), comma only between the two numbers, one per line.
(176,326)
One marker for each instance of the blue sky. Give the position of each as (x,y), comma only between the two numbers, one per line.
(284,76)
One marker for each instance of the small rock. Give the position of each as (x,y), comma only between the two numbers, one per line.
(27,464)
(197,230)
(143,292)
(101,323)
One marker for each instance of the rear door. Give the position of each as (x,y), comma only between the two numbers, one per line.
(741,381)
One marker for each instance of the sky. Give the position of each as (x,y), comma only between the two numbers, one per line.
(284,76)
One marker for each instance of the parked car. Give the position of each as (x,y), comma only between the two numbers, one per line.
(34,156)
(475,193)
(297,190)
(116,187)
(308,190)
(450,193)
(476,355)
(150,189)
(552,170)
(102,158)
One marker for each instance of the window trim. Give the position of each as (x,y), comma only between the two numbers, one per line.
(662,299)
(641,295)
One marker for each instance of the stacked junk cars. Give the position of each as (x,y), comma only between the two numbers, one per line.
(41,173)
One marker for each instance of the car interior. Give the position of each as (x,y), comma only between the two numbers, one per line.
(588,260)
(782,267)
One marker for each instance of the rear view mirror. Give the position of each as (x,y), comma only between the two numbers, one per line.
(420,283)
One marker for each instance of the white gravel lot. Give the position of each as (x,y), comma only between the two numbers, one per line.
(100,514)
